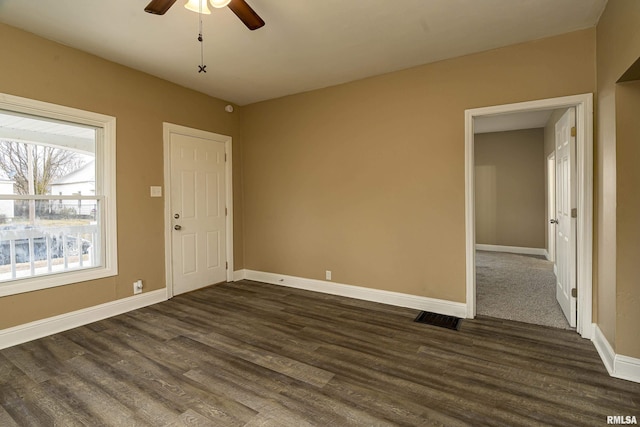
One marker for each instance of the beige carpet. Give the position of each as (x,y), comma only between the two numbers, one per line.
(517,287)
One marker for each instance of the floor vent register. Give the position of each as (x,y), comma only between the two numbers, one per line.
(441,320)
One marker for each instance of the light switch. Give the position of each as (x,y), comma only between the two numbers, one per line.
(156,191)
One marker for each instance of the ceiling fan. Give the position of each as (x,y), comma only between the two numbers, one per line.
(240,7)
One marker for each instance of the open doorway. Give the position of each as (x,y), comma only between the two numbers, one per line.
(583,213)
(514,278)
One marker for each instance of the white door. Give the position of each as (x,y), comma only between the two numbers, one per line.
(551,207)
(565,221)
(198,212)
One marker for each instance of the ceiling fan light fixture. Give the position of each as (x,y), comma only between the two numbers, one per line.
(197,6)
(219,3)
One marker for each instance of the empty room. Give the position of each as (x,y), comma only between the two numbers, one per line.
(258,213)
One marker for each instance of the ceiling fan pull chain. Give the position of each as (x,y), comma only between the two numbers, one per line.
(202,68)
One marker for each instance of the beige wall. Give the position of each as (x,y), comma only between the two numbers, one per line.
(367,179)
(39,69)
(510,188)
(618,46)
(628,219)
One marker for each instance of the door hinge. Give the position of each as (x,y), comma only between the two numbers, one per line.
(574,292)
(574,213)
(573,131)
(225,212)
(226,265)
(225,157)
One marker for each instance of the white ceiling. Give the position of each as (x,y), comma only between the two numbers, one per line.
(305,44)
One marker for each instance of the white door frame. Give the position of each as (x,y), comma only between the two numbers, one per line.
(168,129)
(584,170)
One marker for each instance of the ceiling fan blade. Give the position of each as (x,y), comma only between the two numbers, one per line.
(247,15)
(159,7)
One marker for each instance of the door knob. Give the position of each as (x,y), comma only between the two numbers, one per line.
(176,216)
(177,227)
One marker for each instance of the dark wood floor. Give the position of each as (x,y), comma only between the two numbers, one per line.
(250,354)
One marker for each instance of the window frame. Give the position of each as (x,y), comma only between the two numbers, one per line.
(105,189)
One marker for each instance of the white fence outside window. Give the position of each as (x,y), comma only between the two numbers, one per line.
(29,252)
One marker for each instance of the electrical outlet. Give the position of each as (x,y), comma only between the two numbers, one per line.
(327,274)
(137,287)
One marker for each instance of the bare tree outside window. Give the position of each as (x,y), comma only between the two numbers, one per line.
(47,164)
(34,167)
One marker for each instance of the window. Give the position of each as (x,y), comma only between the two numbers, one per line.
(57,195)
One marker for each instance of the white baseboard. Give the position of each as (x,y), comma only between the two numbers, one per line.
(627,368)
(604,348)
(239,275)
(450,308)
(52,325)
(618,366)
(512,249)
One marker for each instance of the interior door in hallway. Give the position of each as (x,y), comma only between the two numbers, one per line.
(565,220)
(198,197)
